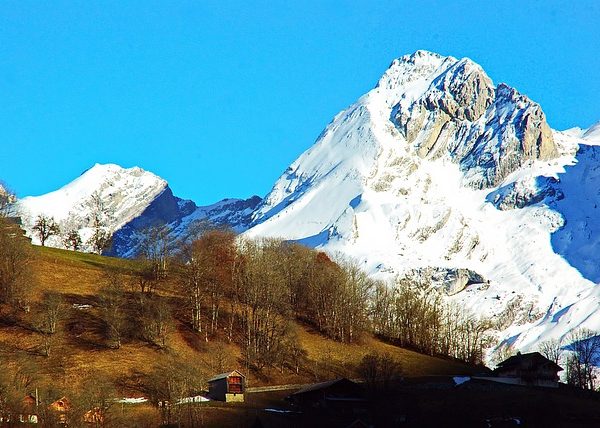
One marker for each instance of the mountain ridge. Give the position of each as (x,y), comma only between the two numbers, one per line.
(133,199)
(439,176)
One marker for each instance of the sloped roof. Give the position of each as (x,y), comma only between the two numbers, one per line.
(224,375)
(323,385)
(62,404)
(532,359)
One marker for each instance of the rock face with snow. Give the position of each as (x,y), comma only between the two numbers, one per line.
(592,134)
(440,176)
(489,131)
(132,199)
(179,216)
(6,199)
(125,193)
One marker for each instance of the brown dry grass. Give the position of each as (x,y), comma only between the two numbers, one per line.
(79,349)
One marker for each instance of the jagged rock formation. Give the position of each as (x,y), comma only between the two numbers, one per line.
(489,131)
(449,281)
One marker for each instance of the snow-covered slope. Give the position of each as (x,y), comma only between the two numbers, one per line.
(180,216)
(133,199)
(437,171)
(125,193)
(592,134)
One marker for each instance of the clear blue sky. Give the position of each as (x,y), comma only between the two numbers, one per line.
(219,97)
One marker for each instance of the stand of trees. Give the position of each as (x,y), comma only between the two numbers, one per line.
(72,240)
(15,273)
(416,317)
(579,354)
(379,371)
(581,364)
(100,216)
(265,284)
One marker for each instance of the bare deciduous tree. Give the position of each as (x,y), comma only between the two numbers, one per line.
(72,240)
(15,258)
(45,227)
(379,370)
(581,366)
(52,312)
(264,301)
(100,216)
(552,349)
(170,386)
(157,321)
(113,304)
(209,269)
(155,249)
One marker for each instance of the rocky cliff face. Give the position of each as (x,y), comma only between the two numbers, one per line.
(490,131)
(6,199)
(165,209)
(180,218)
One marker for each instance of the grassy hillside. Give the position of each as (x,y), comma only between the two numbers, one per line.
(79,351)
(79,276)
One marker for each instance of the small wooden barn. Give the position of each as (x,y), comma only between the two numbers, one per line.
(529,369)
(229,387)
(338,395)
(61,407)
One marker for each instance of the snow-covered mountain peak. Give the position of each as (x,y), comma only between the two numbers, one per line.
(438,170)
(110,172)
(408,68)
(132,200)
(425,106)
(450,108)
(124,192)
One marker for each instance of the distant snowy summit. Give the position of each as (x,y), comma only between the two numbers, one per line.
(132,200)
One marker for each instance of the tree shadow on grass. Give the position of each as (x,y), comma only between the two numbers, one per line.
(86,330)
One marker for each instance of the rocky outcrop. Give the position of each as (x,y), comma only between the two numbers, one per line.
(449,281)
(6,199)
(490,132)
(526,192)
(163,210)
(179,217)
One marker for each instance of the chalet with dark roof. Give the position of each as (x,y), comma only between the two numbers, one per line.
(338,394)
(529,369)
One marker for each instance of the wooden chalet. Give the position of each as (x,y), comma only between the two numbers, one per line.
(528,369)
(337,395)
(29,410)
(61,407)
(27,415)
(228,387)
